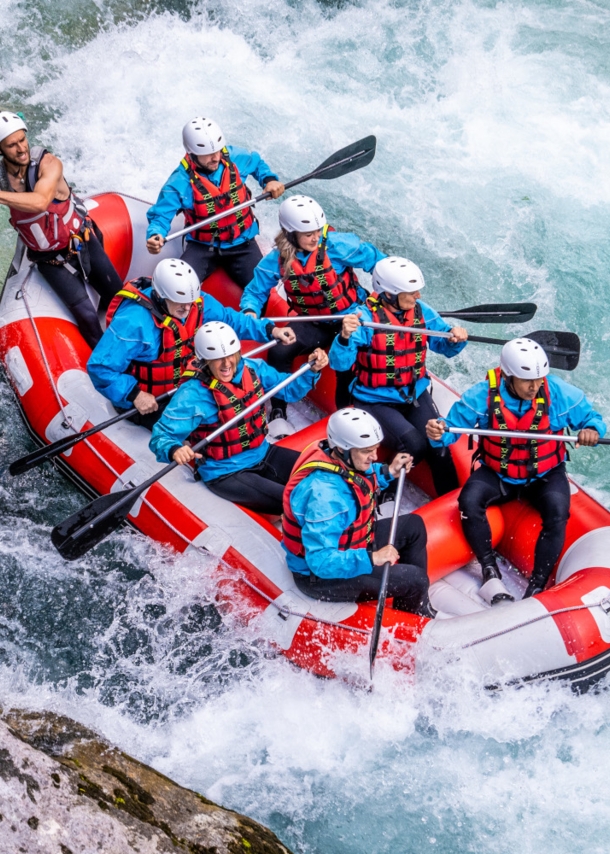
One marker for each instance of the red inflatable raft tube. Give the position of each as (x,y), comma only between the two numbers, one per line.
(564,633)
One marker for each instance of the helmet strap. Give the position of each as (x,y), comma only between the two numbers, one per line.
(291,237)
(159,303)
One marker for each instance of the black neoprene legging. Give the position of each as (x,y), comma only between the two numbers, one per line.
(237,261)
(550,495)
(408,580)
(404,429)
(93,263)
(261,487)
(309,336)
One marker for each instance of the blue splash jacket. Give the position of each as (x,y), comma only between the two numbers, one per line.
(194,404)
(569,408)
(177,193)
(324,506)
(343,249)
(132,335)
(342,354)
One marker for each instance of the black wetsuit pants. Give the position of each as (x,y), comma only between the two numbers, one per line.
(550,495)
(309,336)
(404,429)
(408,580)
(261,487)
(93,263)
(237,261)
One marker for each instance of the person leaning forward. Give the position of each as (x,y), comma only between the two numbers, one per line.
(54,226)
(519,395)
(391,379)
(149,339)
(210,179)
(240,464)
(334,547)
(315,264)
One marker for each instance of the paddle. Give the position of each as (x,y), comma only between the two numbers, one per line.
(515,434)
(383,590)
(89,526)
(519,312)
(562,348)
(342,162)
(49,452)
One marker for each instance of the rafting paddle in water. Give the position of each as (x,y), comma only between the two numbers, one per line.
(87,527)
(518,312)
(342,162)
(49,452)
(383,589)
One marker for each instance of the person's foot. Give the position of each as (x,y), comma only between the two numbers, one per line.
(533,589)
(492,590)
(278,427)
(277,412)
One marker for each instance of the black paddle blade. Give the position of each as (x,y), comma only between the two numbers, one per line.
(562,348)
(518,312)
(89,526)
(348,159)
(40,456)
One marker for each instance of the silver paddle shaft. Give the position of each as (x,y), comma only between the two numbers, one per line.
(510,434)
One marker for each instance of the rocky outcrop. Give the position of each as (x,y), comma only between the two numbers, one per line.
(64,790)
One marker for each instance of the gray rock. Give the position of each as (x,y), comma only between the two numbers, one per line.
(64,790)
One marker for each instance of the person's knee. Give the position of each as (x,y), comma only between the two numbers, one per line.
(413,442)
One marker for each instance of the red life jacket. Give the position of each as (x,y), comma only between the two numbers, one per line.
(231,399)
(52,229)
(392,359)
(316,288)
(177,347)
(520,459)
(361,533)
(208,199)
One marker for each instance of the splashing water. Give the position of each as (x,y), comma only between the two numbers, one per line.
(492,173)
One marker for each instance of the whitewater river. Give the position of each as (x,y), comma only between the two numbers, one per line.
(493,174)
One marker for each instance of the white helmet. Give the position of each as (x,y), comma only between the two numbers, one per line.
(394,275)
(202,136)
(302,214)
(215,339)
(524,359)
(9,123)
(353,428)
(176,280)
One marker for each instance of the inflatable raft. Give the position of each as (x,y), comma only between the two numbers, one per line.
(564,633)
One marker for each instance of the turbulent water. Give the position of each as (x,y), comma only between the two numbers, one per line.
(493,174)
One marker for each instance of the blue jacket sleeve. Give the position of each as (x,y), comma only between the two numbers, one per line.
(190,406)
(246,327)
(251,163)
(266,276)
(435,322)
(571,408)
(294,391)
(342,354)
(175,195)
(324,507)
(132,335)
(347,250)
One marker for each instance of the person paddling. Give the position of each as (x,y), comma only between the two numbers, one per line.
(54,225)
(209,179)
(240,464)
(334,547)
(519,395)
(149,339)
(391,378)
(315,264)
